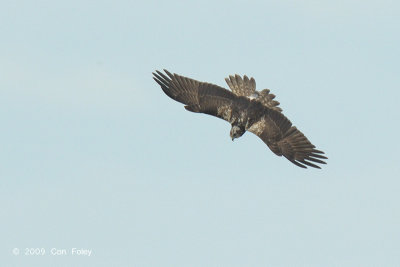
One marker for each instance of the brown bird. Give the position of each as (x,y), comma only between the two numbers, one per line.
(246,110)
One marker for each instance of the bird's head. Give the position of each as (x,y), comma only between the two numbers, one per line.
(236,131)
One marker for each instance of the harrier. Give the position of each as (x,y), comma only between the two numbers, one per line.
(246,110)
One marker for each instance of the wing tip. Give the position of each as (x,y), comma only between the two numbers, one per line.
(304,162)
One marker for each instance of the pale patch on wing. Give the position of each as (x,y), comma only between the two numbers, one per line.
(266,129)
(225,112)
(258,127)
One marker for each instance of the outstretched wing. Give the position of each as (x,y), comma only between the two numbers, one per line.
(198,96)
(286,140)
(247,87)
(298,149)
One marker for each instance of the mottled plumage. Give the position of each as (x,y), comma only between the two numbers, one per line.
(246,110)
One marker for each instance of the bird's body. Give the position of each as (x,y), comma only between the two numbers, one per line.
(246,110)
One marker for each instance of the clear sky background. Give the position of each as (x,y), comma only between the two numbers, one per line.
(94,155)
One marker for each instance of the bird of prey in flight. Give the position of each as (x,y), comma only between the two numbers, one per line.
(246,110)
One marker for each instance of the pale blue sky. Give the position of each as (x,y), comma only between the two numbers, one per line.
(95,156)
